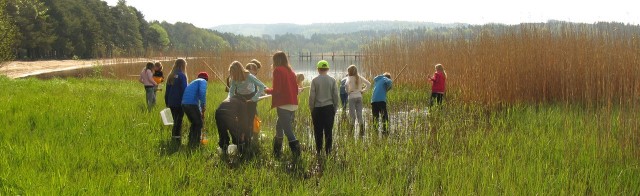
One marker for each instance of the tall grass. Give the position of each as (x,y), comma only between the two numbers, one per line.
(94,136)
(533,63)
(591,65)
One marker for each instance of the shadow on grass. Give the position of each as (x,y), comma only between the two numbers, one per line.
(169,147)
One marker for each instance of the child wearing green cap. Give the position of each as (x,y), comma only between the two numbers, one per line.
(323,103)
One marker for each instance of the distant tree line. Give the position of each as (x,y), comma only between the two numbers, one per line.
(63,29)
(69,29)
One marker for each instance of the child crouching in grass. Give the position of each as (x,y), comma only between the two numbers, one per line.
(228,120)
(323,103)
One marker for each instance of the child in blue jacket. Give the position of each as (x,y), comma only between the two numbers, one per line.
(381,84)
(194,106)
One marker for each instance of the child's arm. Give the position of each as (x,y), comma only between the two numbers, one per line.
(434,78)
(367,84)
(150,75)
(232,89)
(203,95)
(260,88)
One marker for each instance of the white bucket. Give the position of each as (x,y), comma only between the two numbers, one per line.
(232,149)
(167,119)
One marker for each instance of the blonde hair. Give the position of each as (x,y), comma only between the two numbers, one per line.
(237,71)
(387,74)
(353,71)
(440,68)
(181,65)
(299,78)
(258,64)
(280,59)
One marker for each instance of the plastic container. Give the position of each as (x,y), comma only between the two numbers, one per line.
(167,118)
(232,149)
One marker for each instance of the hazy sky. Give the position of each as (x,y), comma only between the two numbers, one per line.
(208,13)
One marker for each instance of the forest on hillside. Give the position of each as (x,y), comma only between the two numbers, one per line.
(269,30)
(87,29)
(84,29)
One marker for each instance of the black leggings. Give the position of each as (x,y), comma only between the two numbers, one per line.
(195,117)
(438,97)
(323,118)
(378,108)
(178,114)
(227,127)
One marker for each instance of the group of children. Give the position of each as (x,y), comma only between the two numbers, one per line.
(151,77)
(235,115)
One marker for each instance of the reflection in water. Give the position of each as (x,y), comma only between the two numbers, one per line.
(130,71)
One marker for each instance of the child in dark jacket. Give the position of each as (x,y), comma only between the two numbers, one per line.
(176,83)
(381,85)
(228,120)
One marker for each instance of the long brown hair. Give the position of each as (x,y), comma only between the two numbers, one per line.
(181,65)
(353,71)
(237,71)
(149,66)
(280,59)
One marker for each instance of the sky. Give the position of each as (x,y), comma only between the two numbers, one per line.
(208,13)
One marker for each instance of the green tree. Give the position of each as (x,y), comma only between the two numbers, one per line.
(128,39)
(158,38)
(35,29)
(7,33)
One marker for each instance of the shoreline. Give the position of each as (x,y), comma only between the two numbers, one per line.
(22,69)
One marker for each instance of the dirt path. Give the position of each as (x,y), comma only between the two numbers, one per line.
(20,69)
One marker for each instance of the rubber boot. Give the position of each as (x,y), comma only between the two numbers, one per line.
(277,147)
(222,149)
(362,130)
(241,148)
(295,148)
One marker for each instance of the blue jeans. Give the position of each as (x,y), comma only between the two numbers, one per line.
(284,125)
(151,96)
(343,100)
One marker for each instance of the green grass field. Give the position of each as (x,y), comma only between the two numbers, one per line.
(93,136)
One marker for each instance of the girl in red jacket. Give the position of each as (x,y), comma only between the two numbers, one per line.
(285,98)
(438,87)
